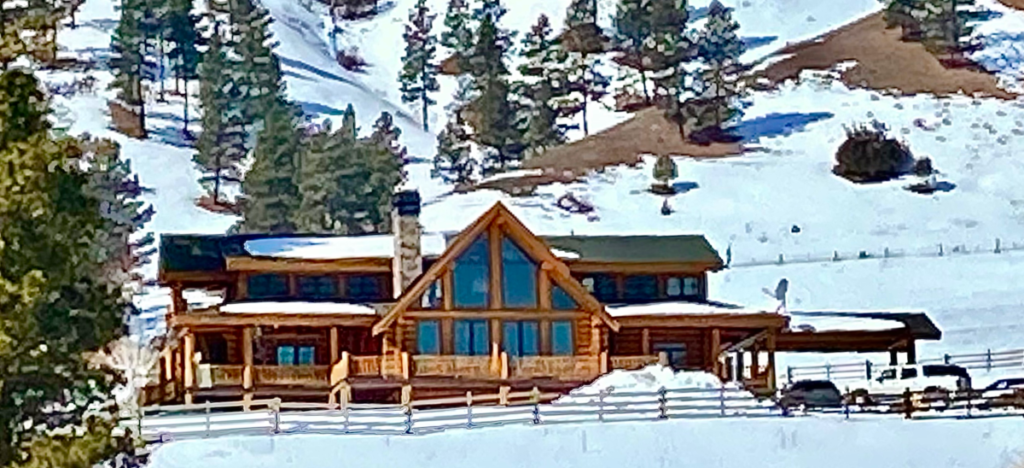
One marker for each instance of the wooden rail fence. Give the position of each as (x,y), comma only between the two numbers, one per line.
(988,360)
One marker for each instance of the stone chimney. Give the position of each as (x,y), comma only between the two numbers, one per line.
(407,263)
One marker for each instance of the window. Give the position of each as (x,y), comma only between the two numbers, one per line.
(602,286)
(640,287)
(289,355)
(267,286)
(472,338)
(285,355)
(561,300)
(519,276)
(432,298)
(364,288)
(687,286)
(306,355)
(561,338)
(521,338)
(471,275)
(676,353)
(888,374)
(909,373)
(319,287)
(428,337)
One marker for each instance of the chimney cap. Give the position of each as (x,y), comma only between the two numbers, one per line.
(407,202)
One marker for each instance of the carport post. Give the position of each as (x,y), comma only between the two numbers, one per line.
(893,357)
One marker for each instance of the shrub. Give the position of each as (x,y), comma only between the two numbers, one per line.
(869,155)
(350,60)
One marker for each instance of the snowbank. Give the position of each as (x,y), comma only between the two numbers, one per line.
(767,443)
(650,379)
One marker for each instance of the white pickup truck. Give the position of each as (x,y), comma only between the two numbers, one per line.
(928,381)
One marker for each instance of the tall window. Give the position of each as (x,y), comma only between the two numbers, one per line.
(318,287)
(364,288)
(428,337)
(691,287)
(285,355)
(267,286)
(306,356)
(561,300)
(472,338)
(519,276)
(640,287)
(687,286)
(561,338)
(289,355)
(521,338)
(471,275)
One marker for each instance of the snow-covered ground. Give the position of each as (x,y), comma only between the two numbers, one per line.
(789,443)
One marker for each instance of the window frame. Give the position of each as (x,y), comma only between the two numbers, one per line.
(473,330)
(510,244)
(256,278)
(571,351)
(520,333)
(330,279)
(650,294)
(488,269)
(363,281)
(437,337)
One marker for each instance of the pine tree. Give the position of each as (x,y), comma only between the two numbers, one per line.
(457,36)
(129,45)
(183,33)
(257,71)
(346,183)
(453,162)
(668,47)
(385,136)
(544,88)
(29,28)
(633,25)
(719,52)
(64,221)
(419,72)
(270,188)
(222,145)
(585,82)
(665,170)
(493,114)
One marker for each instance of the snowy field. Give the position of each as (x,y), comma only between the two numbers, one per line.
(787,443)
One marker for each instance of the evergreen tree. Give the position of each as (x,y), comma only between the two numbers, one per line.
(64,220)
(585,82)
(271,186)
(544,88)
(346,183)
(222,145)
(129,45)
(183,33)
(668,46)
(257,71)
(633,25)
(385,136)
(719,52)
(419,72)
(453,162)
(29,28)
(943,26)
(493,114)
(665,170)
(457,36)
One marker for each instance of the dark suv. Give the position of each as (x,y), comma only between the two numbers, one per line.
(811,394)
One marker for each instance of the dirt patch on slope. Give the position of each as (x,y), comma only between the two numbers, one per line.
(884,62)
(1018,4)
(648,132)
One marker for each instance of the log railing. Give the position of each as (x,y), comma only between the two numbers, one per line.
(452,366)
(226,374)
(632,362)
(562,367)
(292,375)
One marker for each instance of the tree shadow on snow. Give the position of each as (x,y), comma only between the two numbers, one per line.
(172,135)
(758,41)
(775,124)
(683,187)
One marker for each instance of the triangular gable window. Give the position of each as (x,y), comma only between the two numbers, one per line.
(471,276)
(519,276)
(561,300)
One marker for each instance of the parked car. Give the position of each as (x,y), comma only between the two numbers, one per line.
(929,382)
(1002,393)
(811,394)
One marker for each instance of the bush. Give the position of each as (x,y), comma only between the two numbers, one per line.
(350,60)
(869,155)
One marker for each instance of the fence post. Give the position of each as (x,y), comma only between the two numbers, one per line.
(275,408)
(721,399)
(828,371)
(408,419)
(998,249)
(867,368)
(988,360)
(600,405)
(846,396)
(789,374)
(346,427)
(207,418)
(908,404)
(781,260)
(662,403)
(469,409)
(945,358)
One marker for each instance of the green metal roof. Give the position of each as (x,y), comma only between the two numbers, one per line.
(638,249)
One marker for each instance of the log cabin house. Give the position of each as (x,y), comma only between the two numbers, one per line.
(492,309)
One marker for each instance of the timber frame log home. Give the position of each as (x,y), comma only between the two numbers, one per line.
(491,308)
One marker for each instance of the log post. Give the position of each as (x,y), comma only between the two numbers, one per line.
(646,343)
(334,345)
(189,365)
(504,366)
(603,364)
(771,360)
(716,343)
(178,304)
(406,370)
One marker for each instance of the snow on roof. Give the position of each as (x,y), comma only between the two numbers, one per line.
(823,323)
(565,254)
(331,248)
(675,308)
(297,308)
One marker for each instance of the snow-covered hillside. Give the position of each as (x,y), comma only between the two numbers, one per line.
(747,205)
